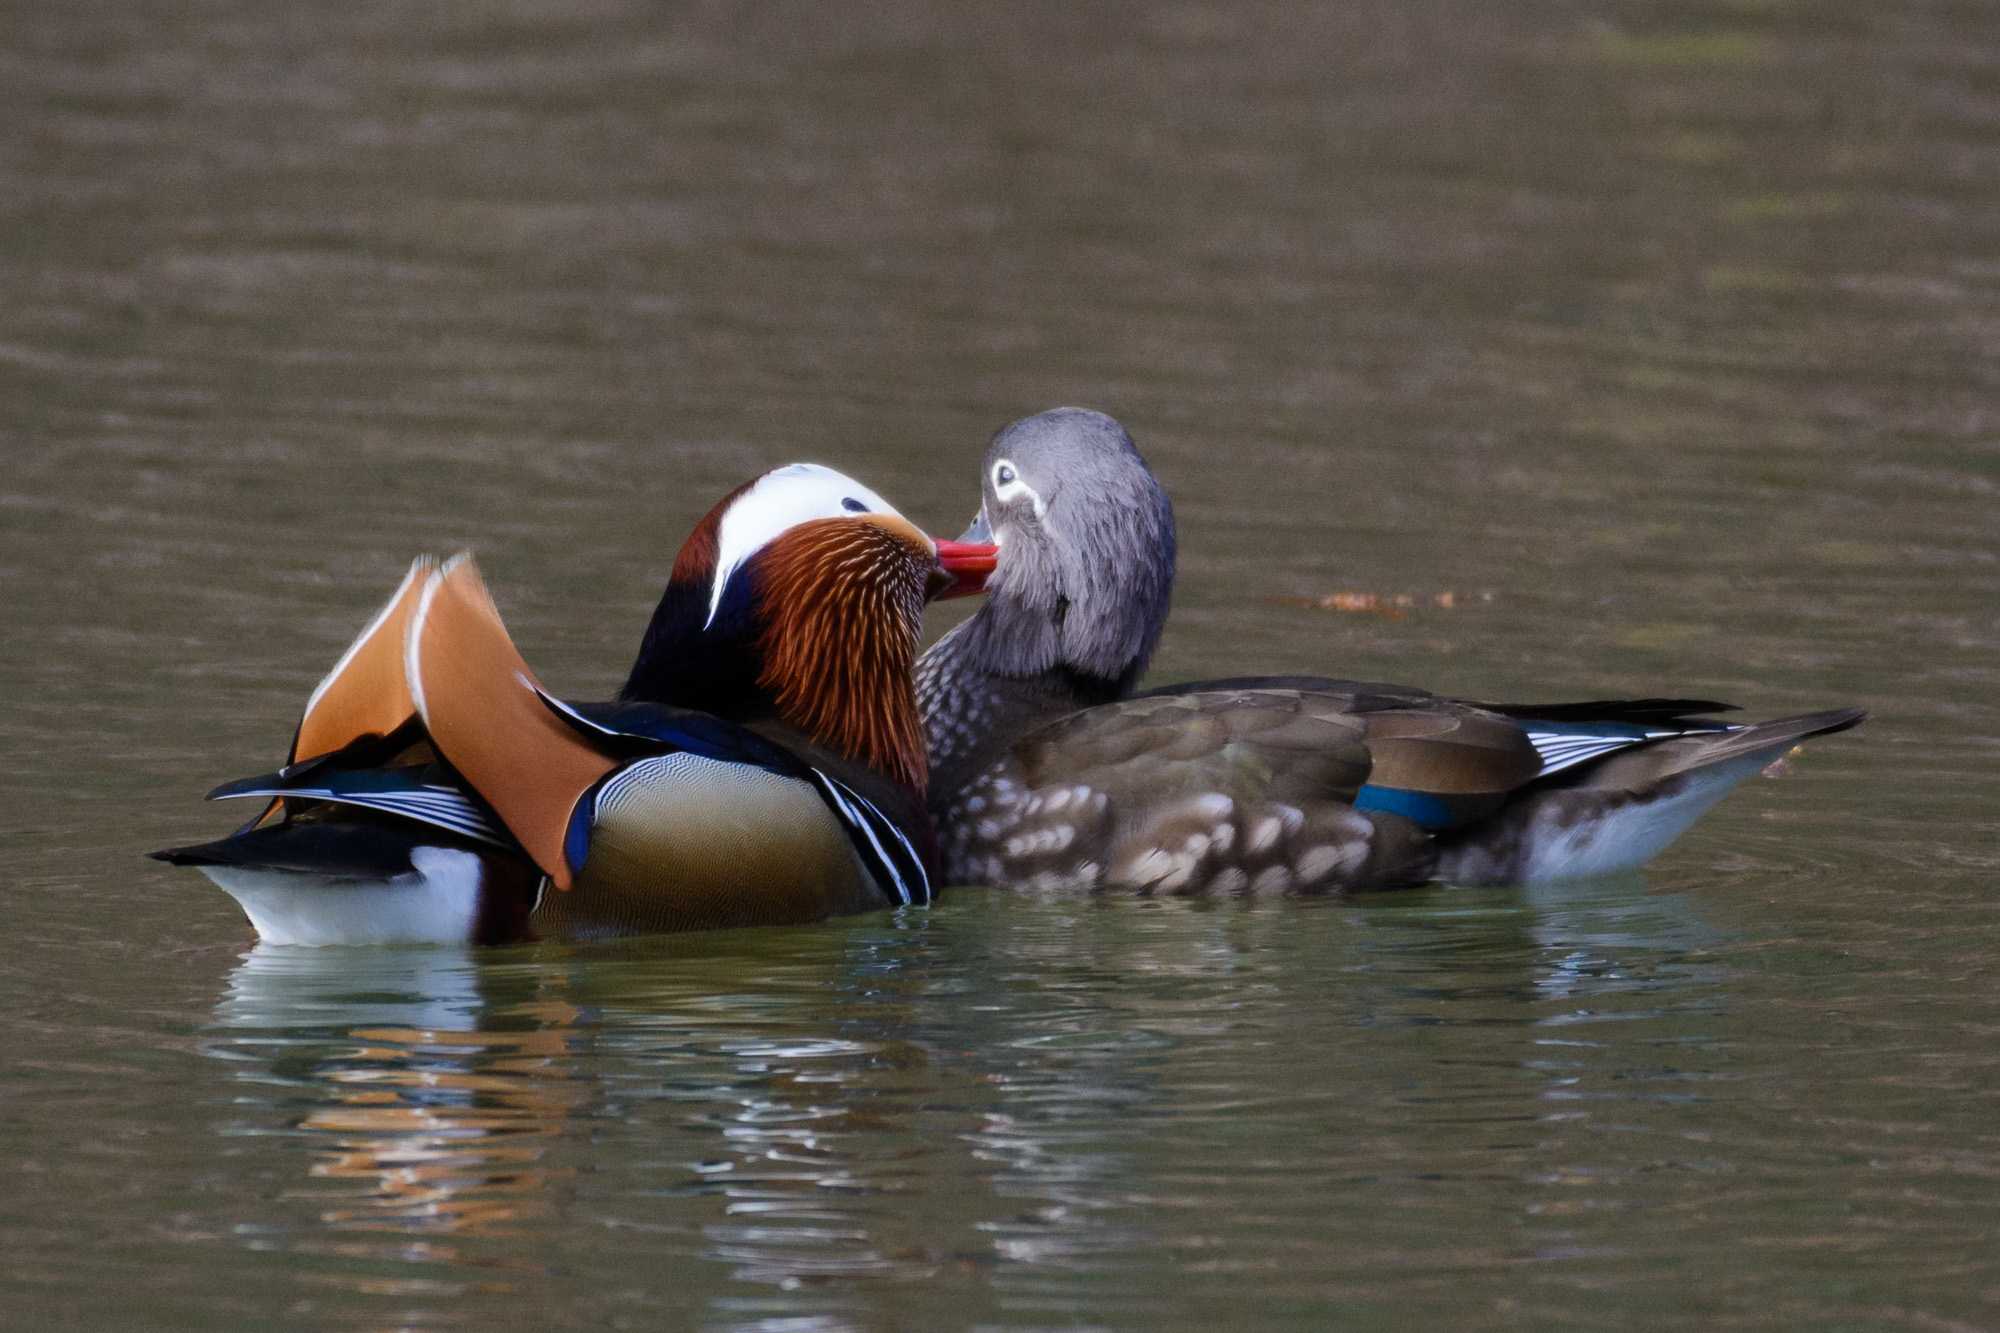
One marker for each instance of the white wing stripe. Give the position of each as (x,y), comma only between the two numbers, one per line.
(439,806)
(914,860)
(1566,749)
(913,865)
(849,816)
(866,819)
(882,861)
(578,718)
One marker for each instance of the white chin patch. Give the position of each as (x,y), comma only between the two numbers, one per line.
(780,500)
(439,904)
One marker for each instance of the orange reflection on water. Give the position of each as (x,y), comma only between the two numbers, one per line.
(447,1127)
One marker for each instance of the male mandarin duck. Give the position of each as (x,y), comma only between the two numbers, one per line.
(763,764)
(1048,770)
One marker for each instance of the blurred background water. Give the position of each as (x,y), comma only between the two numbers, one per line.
(1661,335)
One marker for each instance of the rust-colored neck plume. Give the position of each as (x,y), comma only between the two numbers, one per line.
(841,602)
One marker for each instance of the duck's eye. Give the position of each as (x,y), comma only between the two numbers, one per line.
(853,506)
(1009,487)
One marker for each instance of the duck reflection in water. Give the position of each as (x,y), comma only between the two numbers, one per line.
(449,1099)
(992,1101)
(432,1088)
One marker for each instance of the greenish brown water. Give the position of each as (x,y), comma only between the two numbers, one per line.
(1667,337)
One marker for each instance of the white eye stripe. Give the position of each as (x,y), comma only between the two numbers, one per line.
(775,503)
(1008,486)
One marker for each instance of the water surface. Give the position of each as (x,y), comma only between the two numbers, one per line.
(1661,336)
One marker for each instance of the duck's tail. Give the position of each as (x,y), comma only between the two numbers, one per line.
(344,877)
(366,837)
(1620,812)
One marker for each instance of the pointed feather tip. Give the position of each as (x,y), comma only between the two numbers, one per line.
(365,691)
(483,708)
(251,786)
(413,633)
(1812,726)
(420,567)
(1806,726)
(214,853)
(459,576)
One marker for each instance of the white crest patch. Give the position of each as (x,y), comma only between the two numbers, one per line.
(777,502)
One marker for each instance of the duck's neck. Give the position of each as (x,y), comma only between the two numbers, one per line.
(694,656)
(840,619)
(1059,631)
(684,663)
(839,678)
(973,709)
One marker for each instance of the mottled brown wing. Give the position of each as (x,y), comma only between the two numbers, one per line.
(1272,744)
(480,703)
(1218,792)
(1467,759)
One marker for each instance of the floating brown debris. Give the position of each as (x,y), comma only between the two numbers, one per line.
(1391,605)
(1781,766)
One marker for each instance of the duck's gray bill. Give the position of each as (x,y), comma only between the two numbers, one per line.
(981,532)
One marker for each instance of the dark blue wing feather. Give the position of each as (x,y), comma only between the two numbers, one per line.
(651,728)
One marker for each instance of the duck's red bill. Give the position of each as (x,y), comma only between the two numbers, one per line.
(968,563)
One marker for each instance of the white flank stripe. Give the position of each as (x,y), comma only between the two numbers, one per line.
(915,862)
(912,867)
(886,866)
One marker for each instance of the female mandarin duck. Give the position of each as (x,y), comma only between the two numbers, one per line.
(1047,770)
(764,763)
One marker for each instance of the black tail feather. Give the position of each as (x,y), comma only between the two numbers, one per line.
(1643,712)
(347,849)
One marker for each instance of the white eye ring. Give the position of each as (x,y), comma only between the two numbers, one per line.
(1007,485)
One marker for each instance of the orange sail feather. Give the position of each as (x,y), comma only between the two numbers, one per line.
(480,703)
(365,693)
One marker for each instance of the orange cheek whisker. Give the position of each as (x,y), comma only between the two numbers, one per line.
(842,603)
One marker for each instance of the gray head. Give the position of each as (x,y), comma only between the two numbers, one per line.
(1086,537)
